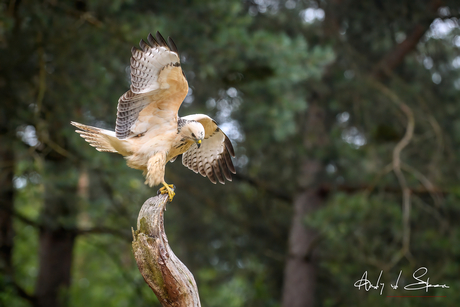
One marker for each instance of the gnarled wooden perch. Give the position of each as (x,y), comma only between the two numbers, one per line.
(168,277)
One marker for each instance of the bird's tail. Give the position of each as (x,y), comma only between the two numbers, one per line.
(101,139)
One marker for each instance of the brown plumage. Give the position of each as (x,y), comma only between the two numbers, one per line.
(148,131)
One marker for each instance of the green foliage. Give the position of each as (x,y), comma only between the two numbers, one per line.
(366,229)
(256,67)
(105,273)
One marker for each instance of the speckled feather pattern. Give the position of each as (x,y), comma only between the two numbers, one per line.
(212,159)
(156,76)
(149,132)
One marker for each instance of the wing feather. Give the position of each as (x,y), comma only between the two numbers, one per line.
(217,172)
(212,159)
(157,84)
(226,170)
(152,40)
(161,40)
(229,146)
(172,44)
(210,173)
(228,162)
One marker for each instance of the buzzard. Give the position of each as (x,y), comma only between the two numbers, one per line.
(149,132)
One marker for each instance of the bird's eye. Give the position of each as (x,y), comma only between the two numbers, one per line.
(193,135)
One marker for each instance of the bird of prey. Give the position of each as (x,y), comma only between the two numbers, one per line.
(149,132)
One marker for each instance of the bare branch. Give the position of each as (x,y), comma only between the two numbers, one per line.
(405,251)
(437,197)
(396,56)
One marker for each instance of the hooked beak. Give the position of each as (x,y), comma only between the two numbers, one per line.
(198,143)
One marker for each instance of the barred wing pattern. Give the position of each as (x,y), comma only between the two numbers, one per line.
(158,87)
(212,159)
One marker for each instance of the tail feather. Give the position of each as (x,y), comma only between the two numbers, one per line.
(96,137)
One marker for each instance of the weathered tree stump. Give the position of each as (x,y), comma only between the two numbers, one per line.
(165,274)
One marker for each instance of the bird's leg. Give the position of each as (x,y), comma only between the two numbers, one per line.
(168,188)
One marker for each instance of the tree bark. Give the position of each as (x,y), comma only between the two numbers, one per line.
(166,275)
(6,204)
(57,234)
(55,258)
(300,271)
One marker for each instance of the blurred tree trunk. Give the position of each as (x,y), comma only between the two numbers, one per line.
(57,235)
(58,219)
(6,203)
(7,157)
(300,270)
(55,258)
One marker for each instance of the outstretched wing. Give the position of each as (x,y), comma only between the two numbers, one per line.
(212,159)
(158,87)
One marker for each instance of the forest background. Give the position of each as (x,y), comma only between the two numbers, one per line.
(345,117)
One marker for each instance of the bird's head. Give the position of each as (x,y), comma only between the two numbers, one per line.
(194,131)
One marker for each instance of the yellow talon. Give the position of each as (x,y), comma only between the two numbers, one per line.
(163,188)
(168,188)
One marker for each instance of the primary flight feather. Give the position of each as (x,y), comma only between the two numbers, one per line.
(149,132)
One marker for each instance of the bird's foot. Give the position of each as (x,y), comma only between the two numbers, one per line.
(163,188)
(168,189)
